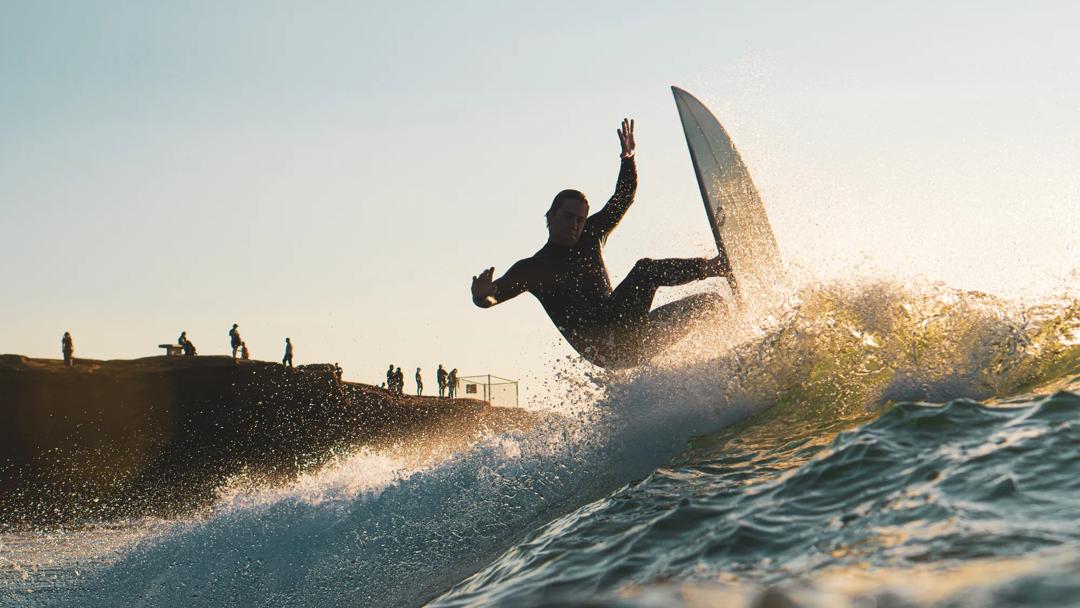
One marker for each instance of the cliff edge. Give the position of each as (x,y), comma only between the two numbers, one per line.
(159,435)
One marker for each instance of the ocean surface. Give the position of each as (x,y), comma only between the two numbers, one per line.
(872,444)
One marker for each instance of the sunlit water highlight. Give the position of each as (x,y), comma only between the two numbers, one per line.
(904,444)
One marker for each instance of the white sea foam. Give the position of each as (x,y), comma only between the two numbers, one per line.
(370,530)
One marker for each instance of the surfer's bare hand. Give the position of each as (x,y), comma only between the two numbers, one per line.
(482,285)
(626,138)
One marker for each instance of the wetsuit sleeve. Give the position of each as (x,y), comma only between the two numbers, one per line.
(519,279)
(605,220)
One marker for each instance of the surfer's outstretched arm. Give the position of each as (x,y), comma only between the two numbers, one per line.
(605,220)
(487,292)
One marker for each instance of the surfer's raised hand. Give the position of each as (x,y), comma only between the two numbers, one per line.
(483,288)
(626,138)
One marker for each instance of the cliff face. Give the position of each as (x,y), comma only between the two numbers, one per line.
(111,439)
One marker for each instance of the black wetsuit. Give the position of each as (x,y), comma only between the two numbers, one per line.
(612,328)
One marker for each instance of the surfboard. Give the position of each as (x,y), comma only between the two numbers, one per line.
(735,212)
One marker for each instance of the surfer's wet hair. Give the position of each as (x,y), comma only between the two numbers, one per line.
(562,197)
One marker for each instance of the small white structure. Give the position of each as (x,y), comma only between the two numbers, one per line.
(497,391)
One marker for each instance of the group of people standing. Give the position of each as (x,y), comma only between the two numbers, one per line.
(237,343)
(395,381)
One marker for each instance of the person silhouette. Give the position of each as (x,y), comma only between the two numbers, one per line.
(287,359)
(612,328)
(67,346)
(234,339)
(440,376)
(451,383)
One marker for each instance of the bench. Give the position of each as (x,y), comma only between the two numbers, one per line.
(172,350)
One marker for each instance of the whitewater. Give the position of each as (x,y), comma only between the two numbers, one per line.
(875,441)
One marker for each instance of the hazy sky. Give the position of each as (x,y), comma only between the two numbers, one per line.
(336,172)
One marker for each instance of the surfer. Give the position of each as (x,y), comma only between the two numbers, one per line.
(612,328)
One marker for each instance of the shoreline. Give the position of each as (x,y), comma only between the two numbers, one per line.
(159,435)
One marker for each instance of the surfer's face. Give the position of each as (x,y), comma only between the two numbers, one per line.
(565,228)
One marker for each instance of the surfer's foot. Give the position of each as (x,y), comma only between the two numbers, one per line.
(718,267)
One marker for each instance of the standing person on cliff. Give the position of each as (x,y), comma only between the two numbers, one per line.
(234,339)
(419,383)
(399,381)
(390,379)
(68,348)
(451,383)
(287,359)
(440,376)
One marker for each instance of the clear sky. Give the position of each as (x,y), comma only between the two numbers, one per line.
(337,171)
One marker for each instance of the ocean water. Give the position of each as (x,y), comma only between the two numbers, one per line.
(870,444)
